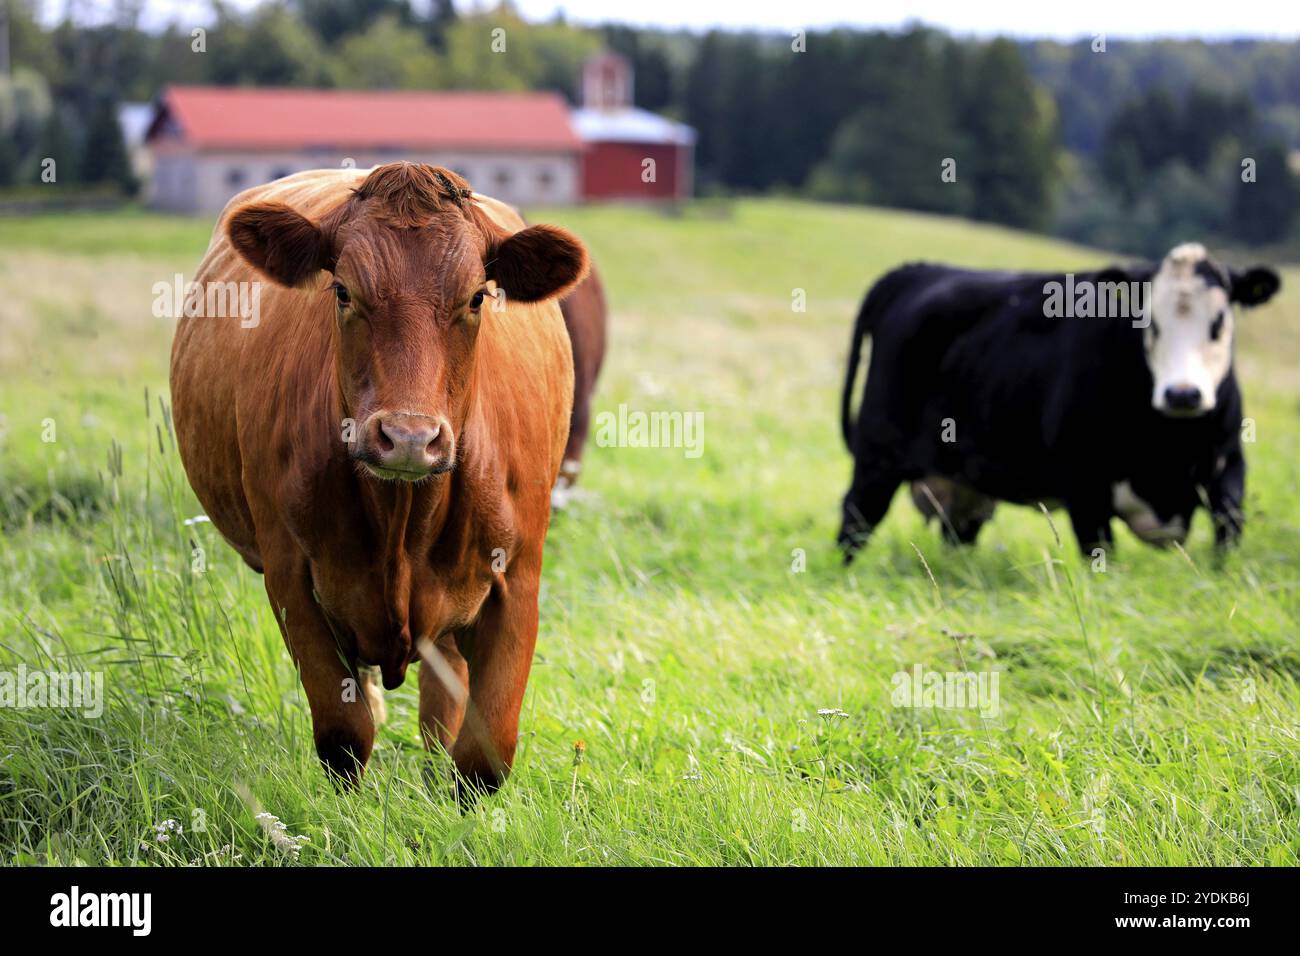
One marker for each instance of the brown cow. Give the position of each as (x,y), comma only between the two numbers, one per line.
(585,317)
(383,442)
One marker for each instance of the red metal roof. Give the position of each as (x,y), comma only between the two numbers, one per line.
(245,118)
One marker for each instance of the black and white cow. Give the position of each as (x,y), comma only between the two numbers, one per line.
(1110,393)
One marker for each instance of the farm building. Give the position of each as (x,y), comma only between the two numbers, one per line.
(629,153)
(209,143)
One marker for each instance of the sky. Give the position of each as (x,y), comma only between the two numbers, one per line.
(1048,18)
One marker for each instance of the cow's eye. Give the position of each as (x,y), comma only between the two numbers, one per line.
(1216,327)
(476,300)
(1155,330)
(340,293)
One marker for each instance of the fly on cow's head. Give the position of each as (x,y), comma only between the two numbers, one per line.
(415,268)
(1190,325)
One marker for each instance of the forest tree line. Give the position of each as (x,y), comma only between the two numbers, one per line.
(1128,145)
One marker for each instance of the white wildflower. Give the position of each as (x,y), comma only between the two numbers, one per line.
(279,834)
(162,832)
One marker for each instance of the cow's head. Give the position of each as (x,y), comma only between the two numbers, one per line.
(1188,337)
(416,268)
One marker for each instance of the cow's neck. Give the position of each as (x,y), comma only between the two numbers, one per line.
(406,518)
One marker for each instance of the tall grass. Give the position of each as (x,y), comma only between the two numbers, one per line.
(729,679)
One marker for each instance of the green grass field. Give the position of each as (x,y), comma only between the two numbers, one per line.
(730,679)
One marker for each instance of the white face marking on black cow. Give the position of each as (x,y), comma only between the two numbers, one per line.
(1189,336)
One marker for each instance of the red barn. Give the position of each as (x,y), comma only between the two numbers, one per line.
(629,153)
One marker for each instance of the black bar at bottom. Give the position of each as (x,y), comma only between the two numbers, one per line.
(339,905)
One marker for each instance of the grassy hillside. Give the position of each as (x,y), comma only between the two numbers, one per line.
(730,680)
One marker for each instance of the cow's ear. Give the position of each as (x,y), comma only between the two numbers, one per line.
(278,241)
(536,263)
(1254,286)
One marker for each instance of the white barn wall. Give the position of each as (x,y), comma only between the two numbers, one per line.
(203,183)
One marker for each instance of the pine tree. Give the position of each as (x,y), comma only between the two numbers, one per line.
(1010,125)
(1265,210)
(9,162)
(105,159)
(56,143)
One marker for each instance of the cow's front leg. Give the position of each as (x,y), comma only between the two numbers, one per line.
(1227,496)
(342,725)
(444,686)
(1090,514)
(500,658)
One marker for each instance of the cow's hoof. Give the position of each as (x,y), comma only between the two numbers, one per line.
(476,782)
(850,543)
(344,759)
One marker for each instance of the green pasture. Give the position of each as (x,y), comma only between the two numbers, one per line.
(732,682)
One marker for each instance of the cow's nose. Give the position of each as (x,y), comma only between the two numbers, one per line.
(1183,398)
(411,445)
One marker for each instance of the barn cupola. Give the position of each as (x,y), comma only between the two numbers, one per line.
(607,82)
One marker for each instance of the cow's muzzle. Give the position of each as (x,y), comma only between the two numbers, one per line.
(1182,401)
(405,446)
